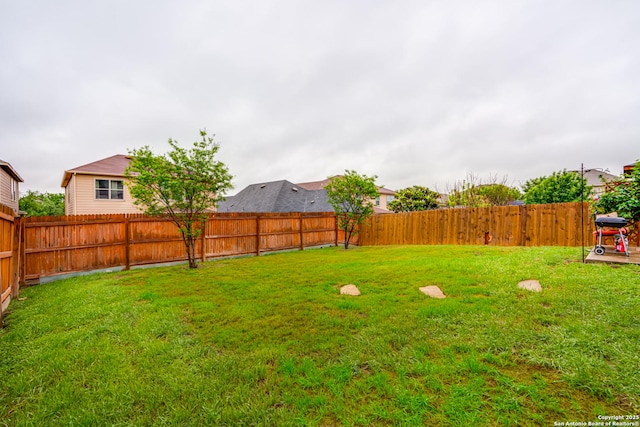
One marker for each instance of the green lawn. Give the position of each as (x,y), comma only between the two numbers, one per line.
(269,341)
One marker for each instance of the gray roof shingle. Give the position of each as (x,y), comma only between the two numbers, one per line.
(276,196)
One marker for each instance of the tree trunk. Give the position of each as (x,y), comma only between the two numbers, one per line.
(348,231)
(191,253)
(189,244)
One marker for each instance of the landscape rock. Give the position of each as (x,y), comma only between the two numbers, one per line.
(350,290)
(433,292)
(530,285)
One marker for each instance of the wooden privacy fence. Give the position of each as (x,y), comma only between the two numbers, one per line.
(68,244)
(10,251)
(36,247)
(561,224)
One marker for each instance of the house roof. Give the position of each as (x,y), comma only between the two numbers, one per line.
(6,166)
(276,196)
(111,166)
(319,185)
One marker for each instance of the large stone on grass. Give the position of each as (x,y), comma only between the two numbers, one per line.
(530,285)
(350,290)
(433,292)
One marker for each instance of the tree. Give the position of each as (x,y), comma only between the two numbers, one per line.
(42,204)
(622,196)
(473,193)
(466,194)
(184,185)
(351,196)
(416,198)
(560,187)
(499,194)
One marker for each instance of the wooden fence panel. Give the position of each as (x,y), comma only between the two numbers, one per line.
(531,225)
(62,245)
(10,253)
(281,232)
(7,229)
(230,235)
(155,240)
(58,245)
(318,230)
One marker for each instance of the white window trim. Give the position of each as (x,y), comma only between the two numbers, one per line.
(109,189)
(14,189)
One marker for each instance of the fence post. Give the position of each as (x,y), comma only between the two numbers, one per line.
(335,217)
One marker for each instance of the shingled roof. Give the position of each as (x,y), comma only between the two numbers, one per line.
(319,185)
(111,166)
(276,196)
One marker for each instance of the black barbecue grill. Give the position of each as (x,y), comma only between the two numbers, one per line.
(615,227)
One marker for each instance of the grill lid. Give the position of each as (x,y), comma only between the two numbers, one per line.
(611,222)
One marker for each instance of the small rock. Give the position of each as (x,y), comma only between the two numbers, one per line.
(433,292)
(530,285)
(350,290)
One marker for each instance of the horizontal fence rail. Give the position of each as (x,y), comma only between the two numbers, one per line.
(70,244)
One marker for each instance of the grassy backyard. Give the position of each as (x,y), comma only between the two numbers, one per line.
(269,341)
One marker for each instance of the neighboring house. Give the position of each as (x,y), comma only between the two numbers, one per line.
(276,196)
(98,188)
(597,178)
(385,196)
(9,185)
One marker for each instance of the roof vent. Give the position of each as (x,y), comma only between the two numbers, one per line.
(263,185)
(294,189)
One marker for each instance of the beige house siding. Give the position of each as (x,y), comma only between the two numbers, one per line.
(69,197)
(385,196)
(6,182)
(81,196)
(382,201)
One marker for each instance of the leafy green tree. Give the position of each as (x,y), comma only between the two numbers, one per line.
(416,198)
(560,187)
(184,185)
(474,194)
(466,194)
(622,196)
(42,204)
(499,194)
(351,196)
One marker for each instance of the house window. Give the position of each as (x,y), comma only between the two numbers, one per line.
(390,199)
(14,190)
(378,201)
(109,189)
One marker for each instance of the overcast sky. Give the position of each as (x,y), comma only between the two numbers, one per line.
(415,92)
